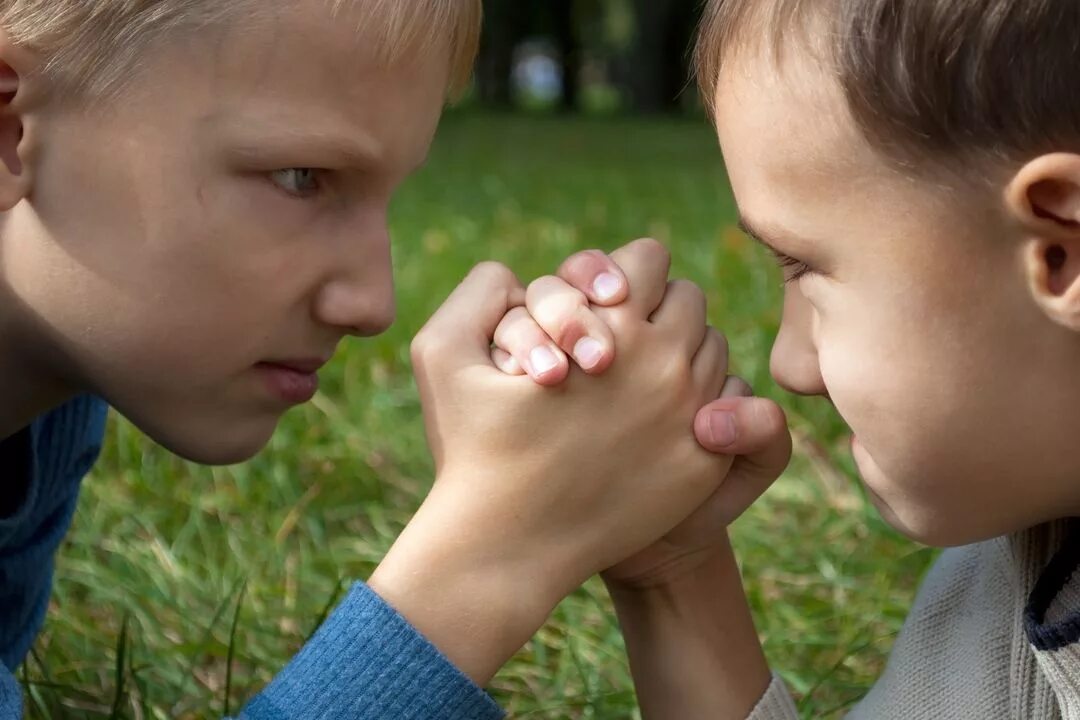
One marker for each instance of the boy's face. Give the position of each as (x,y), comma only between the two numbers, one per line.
(915,319)
(174,262)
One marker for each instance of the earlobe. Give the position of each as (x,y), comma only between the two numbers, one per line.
(1044,200)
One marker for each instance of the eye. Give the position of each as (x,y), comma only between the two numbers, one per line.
(301,182)
(793,269)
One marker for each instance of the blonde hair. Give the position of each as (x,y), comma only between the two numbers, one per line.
(928,81)
(92,47)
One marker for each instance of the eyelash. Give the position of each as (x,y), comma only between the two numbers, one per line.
(316,179)
(793,269)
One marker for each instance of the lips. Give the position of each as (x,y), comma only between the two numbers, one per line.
(293,382)
(304,366)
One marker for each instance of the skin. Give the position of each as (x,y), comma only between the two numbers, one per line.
(159,251)
(942,320)
(623,430)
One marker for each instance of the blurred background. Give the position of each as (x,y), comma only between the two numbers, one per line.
(588,56)
(183,589)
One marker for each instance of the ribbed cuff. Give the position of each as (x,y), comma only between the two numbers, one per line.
(11,702)
(367,663)
(1059,572)
(776,703)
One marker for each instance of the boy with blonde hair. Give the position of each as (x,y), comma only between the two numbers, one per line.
(193,199)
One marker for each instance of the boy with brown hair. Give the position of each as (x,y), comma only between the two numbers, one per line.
(914,165)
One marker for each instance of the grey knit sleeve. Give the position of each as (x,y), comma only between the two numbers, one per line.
(776,704)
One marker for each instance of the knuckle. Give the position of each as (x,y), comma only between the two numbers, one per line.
(510,331)
(774,416)
(722,343)
(621,323)
(582,263)
(570,330)
(546,285)
(739,386)
(689,290)
(654,248)
(493,272)
(422,348)
(557,306)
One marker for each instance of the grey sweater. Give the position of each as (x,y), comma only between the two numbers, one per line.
(993,633)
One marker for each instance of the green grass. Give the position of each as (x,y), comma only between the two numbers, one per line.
(182,589)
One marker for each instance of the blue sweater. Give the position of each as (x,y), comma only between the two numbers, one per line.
(365,661)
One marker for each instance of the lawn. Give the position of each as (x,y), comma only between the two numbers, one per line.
(182,589)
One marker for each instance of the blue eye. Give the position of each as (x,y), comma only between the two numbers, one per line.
(793,269)
(301,182)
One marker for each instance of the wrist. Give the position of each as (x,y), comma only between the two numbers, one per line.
(693,648)
(475,605)
(689,574)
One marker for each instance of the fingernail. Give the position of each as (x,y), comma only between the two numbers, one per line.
(588,353)
(542,360)
(722,428)
(607,286)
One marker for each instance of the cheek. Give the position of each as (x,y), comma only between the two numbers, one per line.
(936,411)
(887,379)
(153,292)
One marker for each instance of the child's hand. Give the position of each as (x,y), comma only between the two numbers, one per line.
(557,323)
(753,429)
(539,488)
(556,317)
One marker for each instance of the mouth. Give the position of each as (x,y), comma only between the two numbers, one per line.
(304,365)
(293,381)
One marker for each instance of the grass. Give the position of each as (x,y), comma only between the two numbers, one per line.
(181,589)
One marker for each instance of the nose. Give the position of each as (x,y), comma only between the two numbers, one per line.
(794,363)
(357,296)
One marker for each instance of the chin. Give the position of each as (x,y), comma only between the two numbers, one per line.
(924,524)
(218,446)
(219,454)
(916,518)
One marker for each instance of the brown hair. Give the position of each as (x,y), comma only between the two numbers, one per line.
(929,79)
(91,46)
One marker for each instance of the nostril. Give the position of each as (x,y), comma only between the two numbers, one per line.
(373,321)
(356,308)
(797,373)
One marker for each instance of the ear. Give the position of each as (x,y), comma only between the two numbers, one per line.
(15,64)
(1044,199)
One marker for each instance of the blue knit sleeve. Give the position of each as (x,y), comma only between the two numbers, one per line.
(367,663)
(11,703)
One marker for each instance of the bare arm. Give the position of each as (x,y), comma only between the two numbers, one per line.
(694,652)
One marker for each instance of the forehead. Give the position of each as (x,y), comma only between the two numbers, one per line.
(785,129)
(308,65)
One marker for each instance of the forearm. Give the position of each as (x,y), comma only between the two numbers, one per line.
(694,652)
(471,599)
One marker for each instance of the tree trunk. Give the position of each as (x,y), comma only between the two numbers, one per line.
(645,64)
(658,66)
(569,45)
(504,25)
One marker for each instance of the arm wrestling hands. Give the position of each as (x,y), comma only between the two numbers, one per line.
(584,424)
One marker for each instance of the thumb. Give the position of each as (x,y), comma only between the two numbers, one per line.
(747,426)
(755,431)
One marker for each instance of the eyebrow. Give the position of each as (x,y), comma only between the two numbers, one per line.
(356,151)
(256,132)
